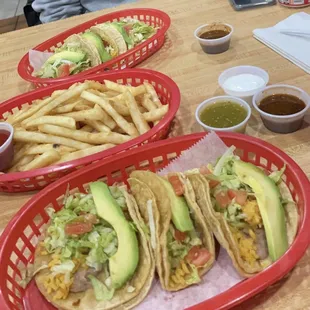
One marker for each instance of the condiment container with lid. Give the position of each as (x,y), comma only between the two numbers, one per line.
(240,127)
(294,3)
(273,120)
(214,38)
(6,146)
(243,81)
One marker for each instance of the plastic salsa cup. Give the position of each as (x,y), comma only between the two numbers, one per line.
(6,146)
(282,123)
(214,46)
(237,128)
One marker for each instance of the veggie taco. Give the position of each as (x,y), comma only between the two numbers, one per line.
(184,249)
(252,214)
(94,253)
(76,55)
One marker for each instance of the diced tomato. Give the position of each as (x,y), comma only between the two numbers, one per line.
(176,184)
(222,199)
(213,183)
(128,28)
(78,228)
(204,170)
(239,195)
(179,235)
(64,70)
(198,256)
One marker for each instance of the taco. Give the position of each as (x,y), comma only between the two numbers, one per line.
(184,249)
(123,35)
(94,253)
(252,214)
(74,56)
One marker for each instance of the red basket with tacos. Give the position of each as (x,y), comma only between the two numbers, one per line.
(81,213)
(113,41)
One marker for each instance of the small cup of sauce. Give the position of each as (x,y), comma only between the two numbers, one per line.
(282,107)
(223,113)
(6,146)
(214,38)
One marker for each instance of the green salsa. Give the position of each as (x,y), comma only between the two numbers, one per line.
(223,114)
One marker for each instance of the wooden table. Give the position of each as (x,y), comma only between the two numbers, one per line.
(196,74)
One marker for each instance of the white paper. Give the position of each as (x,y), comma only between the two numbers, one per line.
(222,275)
(37,59)
(293,47)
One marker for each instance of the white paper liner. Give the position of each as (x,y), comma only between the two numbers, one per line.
(222,275)
(205,151)
(37,59)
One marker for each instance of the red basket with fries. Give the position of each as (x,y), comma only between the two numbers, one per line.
(131,58)
(166,89)
(18,241)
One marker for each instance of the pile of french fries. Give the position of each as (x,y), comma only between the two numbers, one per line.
(87,118)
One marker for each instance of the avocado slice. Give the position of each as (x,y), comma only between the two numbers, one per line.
(96,40)
(119,27)
(67,55)
(269,203)
(179,209)
(124,262)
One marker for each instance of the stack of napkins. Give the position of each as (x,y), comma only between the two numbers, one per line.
(295,48)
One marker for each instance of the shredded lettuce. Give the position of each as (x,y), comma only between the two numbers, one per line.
(194,276)
(100,289)
(277,175)
(228,155)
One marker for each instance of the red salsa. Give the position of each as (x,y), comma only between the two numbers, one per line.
(4,135)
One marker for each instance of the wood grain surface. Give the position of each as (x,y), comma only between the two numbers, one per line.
(196,75)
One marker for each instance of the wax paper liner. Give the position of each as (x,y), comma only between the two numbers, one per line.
(37,59)
(222,275)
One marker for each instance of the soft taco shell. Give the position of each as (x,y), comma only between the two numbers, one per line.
(110,35)
(222,230)
(122,299)
(155,183)
(89,48)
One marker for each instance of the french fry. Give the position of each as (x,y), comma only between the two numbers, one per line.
(42,148)
(91,138)
(99,126)
(63,121)
(20,154)
(58,100)
(87,128)
(23,161)
(123,88)
(150,89)
(65,109)
(94,114)
(97,85)
(135,113)
(86,152)
(36,137)
(148,103)
(120,108)
(41,161)
(121,122)
(156,115)
(81,107)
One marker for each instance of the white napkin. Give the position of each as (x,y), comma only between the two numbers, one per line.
(295,48)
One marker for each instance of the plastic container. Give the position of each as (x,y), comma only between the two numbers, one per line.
(214,46)
(282,123)
(6,149)
(129,59)
(239,81)
(238,128)
(18,240)
(36,179)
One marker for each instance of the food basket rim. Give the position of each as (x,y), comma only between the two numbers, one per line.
(242,290)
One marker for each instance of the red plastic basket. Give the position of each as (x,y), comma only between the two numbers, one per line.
(129,59)
(17,243)
(31,180)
